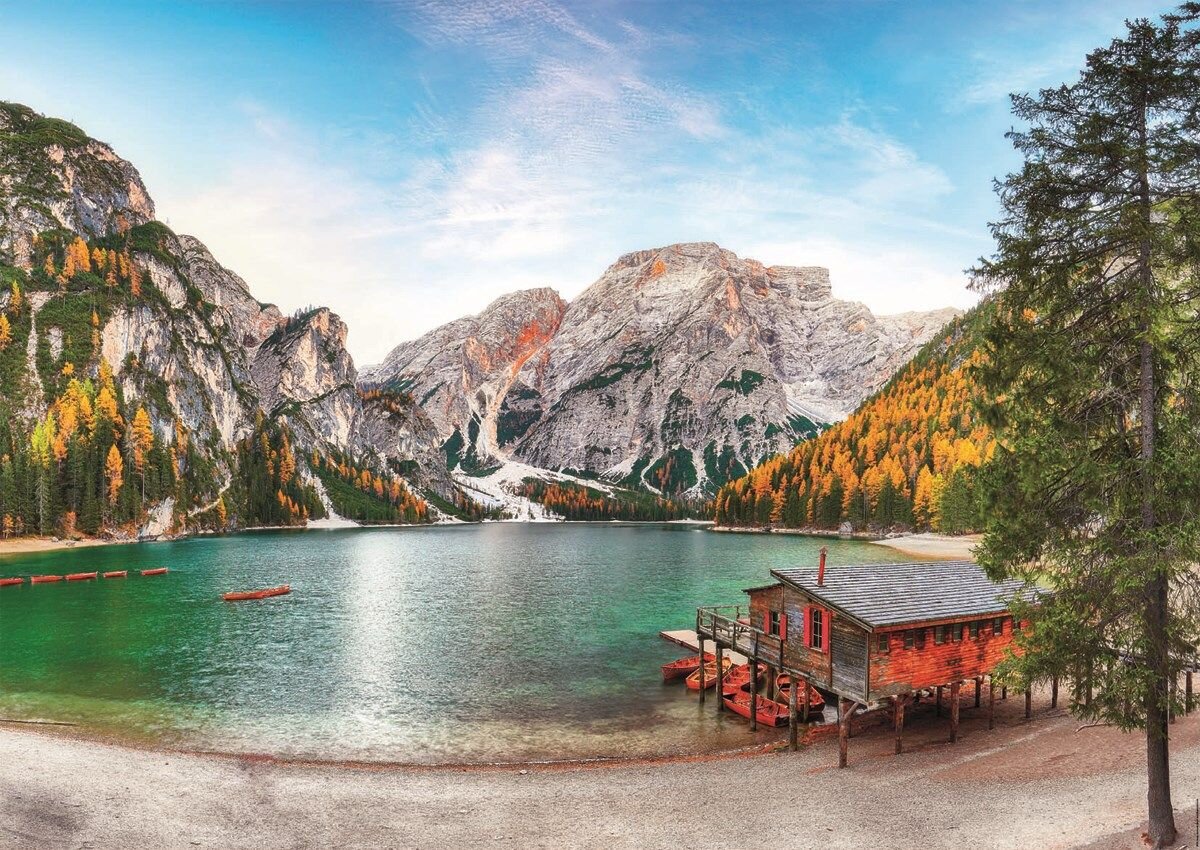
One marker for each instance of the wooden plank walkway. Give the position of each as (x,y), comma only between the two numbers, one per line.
(688,639)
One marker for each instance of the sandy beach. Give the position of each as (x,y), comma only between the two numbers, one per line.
(929,545)
(32,545)
(1039,784)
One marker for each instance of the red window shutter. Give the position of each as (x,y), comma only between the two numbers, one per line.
(783,626)
(807,636)
(825,622)
(767,622)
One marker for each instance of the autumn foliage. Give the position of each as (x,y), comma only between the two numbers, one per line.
(906,458)
(388,498)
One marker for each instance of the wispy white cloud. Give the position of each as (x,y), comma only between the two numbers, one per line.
(580,148)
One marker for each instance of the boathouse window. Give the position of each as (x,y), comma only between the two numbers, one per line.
(1017,626)
(939,634)
(773,623)
(816,629)
(974,629)
(956,632)
(914,639)
(883,642)
(998,626)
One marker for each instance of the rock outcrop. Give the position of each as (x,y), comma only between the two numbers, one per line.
(53,175)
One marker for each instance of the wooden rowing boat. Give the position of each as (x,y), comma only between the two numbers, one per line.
(116,574)
(682,667)
(783,688)
(81,576)
(739,677)
(8,582)
(157,571)
(710,674)
(767,710)
(241,595)
(44,579)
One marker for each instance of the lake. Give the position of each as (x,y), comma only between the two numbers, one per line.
(483,643)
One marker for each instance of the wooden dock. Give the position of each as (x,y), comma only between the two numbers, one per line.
(688,639)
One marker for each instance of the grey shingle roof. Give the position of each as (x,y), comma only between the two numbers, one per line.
(892,594)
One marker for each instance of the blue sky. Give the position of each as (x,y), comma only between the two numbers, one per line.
(406,162)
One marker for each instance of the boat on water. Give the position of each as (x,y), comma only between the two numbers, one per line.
(8,582)
(239,596)
(44,579)
(783,688)
(710,674)
(766,710)
(157,571)
(684,666)
(81,576)
(116,574)
(739,677)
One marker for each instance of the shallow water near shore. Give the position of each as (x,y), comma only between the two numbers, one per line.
(500,642)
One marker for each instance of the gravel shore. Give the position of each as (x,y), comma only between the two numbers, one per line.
(1039,784)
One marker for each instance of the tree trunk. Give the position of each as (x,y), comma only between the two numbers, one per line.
(1158,760)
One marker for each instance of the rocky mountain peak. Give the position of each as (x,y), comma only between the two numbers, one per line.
(680,367)
(53,175)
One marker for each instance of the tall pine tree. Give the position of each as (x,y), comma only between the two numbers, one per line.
(1093,362)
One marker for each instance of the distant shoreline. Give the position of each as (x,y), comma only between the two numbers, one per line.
(34,545)
(923,545)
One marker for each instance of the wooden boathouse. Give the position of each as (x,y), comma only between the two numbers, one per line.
(872,635)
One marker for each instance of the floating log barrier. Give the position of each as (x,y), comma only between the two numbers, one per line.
(116,574)
(81,576)
(157,571)
(9,582)
(44,579)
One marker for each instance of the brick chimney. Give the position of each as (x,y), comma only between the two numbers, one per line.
(821,568)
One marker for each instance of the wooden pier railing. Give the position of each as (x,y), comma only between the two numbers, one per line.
(726,625)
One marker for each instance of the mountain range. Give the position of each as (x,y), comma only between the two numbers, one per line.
(674,373)
(678,370)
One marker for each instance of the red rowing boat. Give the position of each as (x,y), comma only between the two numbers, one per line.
(710,674)
(8,582)
(768,711)
(680,668)
(739,677)
(116,574)
(157,571)
(81,576)
(239,596)
(44,579)
(783,687)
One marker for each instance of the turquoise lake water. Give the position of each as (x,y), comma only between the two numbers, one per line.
(495,642)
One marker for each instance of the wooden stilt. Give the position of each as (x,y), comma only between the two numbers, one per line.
(753,694)
(1054,692)
(1004,692)
(1028,703)
(771,671)
(954,712)
(843,730)
(702,682)
(991,703)
(807,697)
(793,726)
(938,707)
(898,708)
(978,689)
(720,676)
